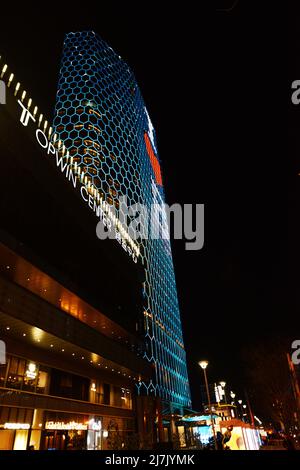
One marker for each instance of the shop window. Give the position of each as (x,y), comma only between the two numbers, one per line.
(15,415)
(21,440)
(63,437)
(7,439)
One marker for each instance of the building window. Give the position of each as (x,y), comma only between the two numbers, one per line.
(42,382)
(126,401)
(106,394)
(122,397)
(24,375)
(3,368)
(68,385)
(96,395)
(16,373)
(14,428)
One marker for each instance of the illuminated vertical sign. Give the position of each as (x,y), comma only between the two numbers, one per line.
(153,159)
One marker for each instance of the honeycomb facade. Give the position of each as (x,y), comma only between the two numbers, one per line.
(101,119)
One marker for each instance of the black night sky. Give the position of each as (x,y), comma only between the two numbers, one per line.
(210,82)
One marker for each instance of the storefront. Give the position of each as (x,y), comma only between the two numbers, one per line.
(64,431)
(197,429)
(242,436)
(21,429)
(15,426)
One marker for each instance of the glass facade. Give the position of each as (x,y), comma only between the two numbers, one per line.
(102,121)
(42,429)
(15,426)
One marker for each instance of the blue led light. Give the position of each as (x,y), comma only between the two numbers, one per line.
(101,118)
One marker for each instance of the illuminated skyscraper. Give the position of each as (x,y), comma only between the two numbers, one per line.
(102,120)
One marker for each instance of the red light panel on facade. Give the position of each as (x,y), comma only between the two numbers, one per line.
(153,159)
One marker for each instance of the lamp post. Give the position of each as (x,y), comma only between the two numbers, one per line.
(223,385)
(232,394)
(245,413)
(241,409)
(203,365)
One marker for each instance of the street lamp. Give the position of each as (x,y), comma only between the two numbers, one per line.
(203,365)
(232,394)
(245,412)
(241,409)
(223,385)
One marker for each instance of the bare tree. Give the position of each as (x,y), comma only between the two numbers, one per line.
(270,382)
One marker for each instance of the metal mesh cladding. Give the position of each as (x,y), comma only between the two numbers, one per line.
(101,118)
